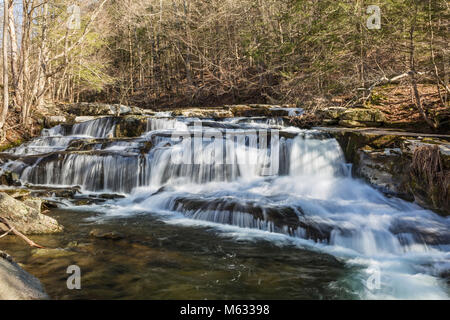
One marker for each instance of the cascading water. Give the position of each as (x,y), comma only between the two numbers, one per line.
(240,173)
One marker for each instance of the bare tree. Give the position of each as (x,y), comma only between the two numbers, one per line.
(5,107)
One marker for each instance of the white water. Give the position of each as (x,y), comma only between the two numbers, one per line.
(312,201)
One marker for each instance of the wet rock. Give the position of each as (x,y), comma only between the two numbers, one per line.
(83,202)
(105,235)
(16,283)
(129,127)
(8,178)
(148,145)
(385,169)
(284,219)
(82,145)
(50,192)
(24,218)
(111,196)
(385,160)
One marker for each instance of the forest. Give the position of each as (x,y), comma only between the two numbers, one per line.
(204,53)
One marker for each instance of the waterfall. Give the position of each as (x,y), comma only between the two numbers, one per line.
(254,174)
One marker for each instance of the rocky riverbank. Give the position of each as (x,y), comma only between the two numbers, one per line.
(16,283)
(415,167)
(25,217)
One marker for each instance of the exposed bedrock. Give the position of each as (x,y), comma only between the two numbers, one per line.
(25,216)
(248,214)
(16,283)
(415,167)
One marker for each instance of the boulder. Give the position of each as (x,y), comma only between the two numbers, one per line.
(386,160)
(332,113)
(131,126)
(105,235)
(25,218)
(8,178)
(16,283)
(386,170)
(363,115)
(52,253)
(81,119)
(351,117)
(34,203)
(54,121)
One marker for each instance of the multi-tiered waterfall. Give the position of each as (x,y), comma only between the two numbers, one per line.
(252,174)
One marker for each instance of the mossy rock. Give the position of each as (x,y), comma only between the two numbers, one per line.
(351,124)
(130,127)
(332,113)
(363,115)
(11,145)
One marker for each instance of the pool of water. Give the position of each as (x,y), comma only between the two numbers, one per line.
(156,260)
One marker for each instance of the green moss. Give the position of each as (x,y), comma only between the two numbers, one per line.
(11,145)
(376,98)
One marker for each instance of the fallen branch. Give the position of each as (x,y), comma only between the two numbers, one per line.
(6,233)
(384,80)
(19,234)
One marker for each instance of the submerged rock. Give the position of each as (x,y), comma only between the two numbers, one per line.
(25,218)
(52,253)
(16,283)
(105,235)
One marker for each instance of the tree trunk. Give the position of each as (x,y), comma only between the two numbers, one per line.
(413,72)
(17,84)
(4,112)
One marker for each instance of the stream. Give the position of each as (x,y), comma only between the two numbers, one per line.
(242,208)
